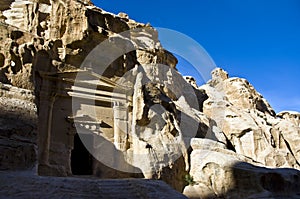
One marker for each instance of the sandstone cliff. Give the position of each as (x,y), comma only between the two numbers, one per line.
(138,112)
(256,140)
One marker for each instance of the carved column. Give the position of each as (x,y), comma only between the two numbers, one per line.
(120,125)
(47,100)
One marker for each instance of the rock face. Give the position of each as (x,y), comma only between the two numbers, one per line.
(221,173)
(61,34)
(44,46)
(105,100)
(249,122)
(291,116)
(18,128)
(255,137)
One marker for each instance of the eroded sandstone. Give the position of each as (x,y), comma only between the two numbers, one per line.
(133,108)
(255,138)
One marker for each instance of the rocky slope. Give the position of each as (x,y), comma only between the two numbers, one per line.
(239,147)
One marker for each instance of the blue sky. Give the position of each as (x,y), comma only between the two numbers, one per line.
(255,39)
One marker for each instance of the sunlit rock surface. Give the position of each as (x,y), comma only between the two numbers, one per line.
(255,138)
(138,112)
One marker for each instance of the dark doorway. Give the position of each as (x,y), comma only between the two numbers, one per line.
(81,159)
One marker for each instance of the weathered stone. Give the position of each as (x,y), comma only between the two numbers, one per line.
(17,128)
(191,80)
(255,138)
(25,185)
(219,74)
(136,114)
(249,123)
(291,116)
(45,44)
(221,173)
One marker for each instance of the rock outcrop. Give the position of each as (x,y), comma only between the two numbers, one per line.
(221,173)
(255,137)
(43,47)
(250,124)
(18,121)
(60,34)
(74,74)
(291,116)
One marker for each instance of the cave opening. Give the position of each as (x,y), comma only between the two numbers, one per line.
(81,159)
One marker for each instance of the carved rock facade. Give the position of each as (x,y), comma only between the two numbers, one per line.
(136,113)
(44,49)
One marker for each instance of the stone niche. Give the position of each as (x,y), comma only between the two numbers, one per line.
(79,113)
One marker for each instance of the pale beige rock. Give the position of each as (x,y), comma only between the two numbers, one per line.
(219,74)
(249,122)
(123,15)
(291,116)
(139,111)
(156,123)
(191,80)
(220,173)
(255,136)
